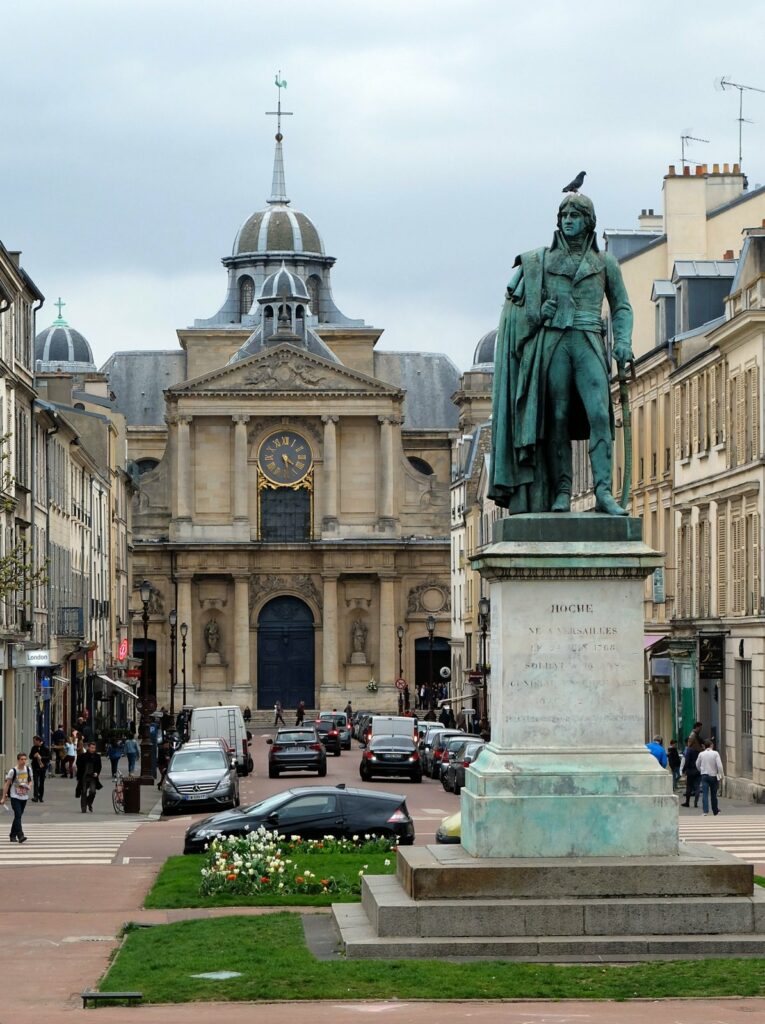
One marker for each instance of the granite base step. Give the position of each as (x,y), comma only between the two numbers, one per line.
(391,912)
(361,942)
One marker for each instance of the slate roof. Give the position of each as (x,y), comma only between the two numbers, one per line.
(429,379)
(139,379)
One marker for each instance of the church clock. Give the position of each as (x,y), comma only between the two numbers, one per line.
(285,458)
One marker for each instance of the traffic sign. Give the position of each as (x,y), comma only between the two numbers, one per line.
(122,653)
(401,683)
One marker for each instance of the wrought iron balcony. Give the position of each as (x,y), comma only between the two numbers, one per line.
(69,622)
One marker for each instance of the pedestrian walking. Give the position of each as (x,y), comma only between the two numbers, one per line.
(164,753)
(70,756)
(278,716)
(692,776)
(673,760)
(88,781)
(18,783)
(114,752)
(711,771)
(695,742)
(132,752)
(57,741)
(39,758)
(300,714)
(656,746)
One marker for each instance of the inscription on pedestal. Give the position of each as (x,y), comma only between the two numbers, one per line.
(573,678)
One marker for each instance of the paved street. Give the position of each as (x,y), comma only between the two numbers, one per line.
(67,918)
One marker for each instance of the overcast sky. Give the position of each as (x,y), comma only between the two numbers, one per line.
(429,143)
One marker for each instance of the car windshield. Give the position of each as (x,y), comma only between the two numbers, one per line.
(271,803)
(295,737)
(337,717)
(198,761)
(392,743)
(325,726)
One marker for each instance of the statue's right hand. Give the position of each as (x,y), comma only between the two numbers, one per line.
(549,306)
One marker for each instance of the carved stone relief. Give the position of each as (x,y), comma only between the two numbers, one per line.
(262,586)
(429,597)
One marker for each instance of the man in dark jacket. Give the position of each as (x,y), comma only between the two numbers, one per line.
(39,758)
(88,771)
(692,775)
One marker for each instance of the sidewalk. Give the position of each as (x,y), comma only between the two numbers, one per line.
(61,805)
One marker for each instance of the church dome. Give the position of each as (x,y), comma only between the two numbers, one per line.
(61,347)
(284,284)
(484,350)
(278,229)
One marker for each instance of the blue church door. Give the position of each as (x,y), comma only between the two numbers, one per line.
(285,654)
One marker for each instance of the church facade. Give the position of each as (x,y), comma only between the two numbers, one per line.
(293,490)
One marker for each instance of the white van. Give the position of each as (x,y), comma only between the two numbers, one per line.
(393,725)
(224,723)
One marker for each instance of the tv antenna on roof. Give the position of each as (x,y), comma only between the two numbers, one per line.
(683,140)
(721,84)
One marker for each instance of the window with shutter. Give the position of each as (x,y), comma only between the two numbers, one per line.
(706,571)
(754,411)
(694,415)
(703,412)
(739,582)
(730,422)
(696,555)
(756,575)
(678,425)
(712,426)
(740,418)
(686,420)
(680,575)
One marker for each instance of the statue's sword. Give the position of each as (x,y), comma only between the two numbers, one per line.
(626,374)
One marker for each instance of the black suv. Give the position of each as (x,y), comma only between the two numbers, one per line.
(329,734)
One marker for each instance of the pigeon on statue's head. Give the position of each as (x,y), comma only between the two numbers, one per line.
(576,184)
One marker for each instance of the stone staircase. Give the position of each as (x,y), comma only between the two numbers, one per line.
(445,904)
(265,719)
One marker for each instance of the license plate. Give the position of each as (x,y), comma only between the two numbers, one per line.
(297,748)
(391,757)
(195,796)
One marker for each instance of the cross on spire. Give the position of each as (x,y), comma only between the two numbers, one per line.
(279,113)
(59,304)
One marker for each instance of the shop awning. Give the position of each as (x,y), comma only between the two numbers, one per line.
(119,686)
(60,679)
(651,639)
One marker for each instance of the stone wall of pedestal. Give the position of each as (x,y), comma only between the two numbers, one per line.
(567,772)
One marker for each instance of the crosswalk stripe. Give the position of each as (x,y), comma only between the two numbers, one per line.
(61,843)
(741,835)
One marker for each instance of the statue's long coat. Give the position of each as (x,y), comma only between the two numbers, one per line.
(525,346)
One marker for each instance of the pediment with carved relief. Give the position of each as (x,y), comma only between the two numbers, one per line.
(284,369)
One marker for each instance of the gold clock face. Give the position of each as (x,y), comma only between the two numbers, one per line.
(285,457)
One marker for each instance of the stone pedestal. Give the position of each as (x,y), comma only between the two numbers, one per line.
(358,658)
(567,772)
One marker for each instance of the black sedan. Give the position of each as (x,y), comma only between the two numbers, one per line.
(312,813)
(391,755)
(296,750)
(329,734)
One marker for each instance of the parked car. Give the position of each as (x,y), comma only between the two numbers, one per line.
(391,725)
(356,719)
(447,754)
(312,812)
(329,734)
(391,755)
(364,728)
(200,773)
(453,778)
(343,725)
(432,759)
(427,738)
(450,829)
(296,750)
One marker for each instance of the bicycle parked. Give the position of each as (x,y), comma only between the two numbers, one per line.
(118,793)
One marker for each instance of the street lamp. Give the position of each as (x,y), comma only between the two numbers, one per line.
(147,778)
(430,625)
(184,634)
(172,619)
(400,635)
(484,607)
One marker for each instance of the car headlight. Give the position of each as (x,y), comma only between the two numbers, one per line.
(224,784)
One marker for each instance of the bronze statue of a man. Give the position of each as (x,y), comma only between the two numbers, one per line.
(551,371)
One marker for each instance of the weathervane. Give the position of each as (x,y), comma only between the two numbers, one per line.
(279,113)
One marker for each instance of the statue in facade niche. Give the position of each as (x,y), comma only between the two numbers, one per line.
(551,369)
(212,636)
(358,636)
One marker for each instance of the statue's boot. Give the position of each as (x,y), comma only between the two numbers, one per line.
(600,460)
(559,464)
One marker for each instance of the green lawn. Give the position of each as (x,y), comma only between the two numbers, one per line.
(177,884)
(275,964)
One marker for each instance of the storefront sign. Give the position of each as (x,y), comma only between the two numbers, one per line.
(31,659)
(122,653)
(711,657)
(659,596)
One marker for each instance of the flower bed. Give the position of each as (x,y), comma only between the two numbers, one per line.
(262,862)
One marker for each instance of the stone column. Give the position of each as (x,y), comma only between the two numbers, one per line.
(240,467)
(184,467)
(185,615)
(331,657)
(386,515)
(388,639)
(329,519)
(241,682)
